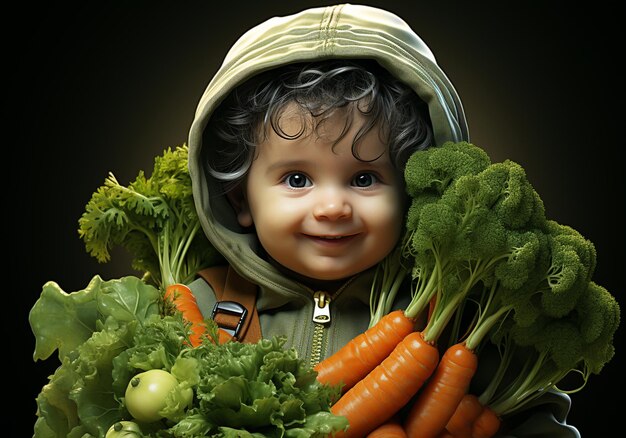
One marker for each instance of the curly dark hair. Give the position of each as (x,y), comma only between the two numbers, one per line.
(241,121)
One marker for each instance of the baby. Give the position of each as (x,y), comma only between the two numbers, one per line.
(297,154)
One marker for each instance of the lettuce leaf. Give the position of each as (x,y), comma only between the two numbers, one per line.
(90,328)
(62,321)
(260,388)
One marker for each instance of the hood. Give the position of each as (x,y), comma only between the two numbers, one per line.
(340,31)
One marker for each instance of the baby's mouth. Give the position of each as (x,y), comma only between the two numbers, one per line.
(331,239)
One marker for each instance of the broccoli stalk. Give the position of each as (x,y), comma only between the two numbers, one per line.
(154,219)
(388,280)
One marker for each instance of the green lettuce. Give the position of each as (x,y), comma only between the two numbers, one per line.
(89,328)
(62,321)
(113,330)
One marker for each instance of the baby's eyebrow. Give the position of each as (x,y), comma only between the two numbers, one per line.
(288,164)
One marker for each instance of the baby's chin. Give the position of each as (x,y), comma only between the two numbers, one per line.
(319,278)
(323,280)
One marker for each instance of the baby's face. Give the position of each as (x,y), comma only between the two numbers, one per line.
(318,210)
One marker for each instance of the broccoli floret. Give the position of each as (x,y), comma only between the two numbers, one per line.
(572,261)
(584,248)
(515,270)
(513,198)
(561,339)
(434,169)
(551,348)
(417,203)
(599,316)
(436,229)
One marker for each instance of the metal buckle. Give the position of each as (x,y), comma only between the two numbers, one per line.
(231,308)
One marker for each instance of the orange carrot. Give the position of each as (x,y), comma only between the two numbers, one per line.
(461,422)
(487,424)
(388,387)
(185,302)
(472,420)
(392,428)
(364,352)
(443,393)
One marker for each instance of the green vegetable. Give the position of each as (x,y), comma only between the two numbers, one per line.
(90,328)
(65,321)
(240,389)
(154,219)
(124,429)
(549,349)
(483,225)
(486,261)
(146,395)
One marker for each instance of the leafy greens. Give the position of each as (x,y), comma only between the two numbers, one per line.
(154,218)
(239,389)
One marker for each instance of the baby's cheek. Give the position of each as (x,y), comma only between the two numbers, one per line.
(386,212)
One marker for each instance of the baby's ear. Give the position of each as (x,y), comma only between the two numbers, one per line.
(237,199)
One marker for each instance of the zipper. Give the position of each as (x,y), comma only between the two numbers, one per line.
(321,317)
(317,344)
(321,309)
(321,321)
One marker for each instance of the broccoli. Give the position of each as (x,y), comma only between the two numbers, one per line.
(552,318)
(550,349)
(480,251)
(571,268)
(154,219)
(471,222)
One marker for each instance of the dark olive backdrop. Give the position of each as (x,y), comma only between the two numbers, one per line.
(107,86)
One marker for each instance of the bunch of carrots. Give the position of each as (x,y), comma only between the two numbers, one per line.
(486,271)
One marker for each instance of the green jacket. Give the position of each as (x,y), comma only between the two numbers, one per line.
(285,305)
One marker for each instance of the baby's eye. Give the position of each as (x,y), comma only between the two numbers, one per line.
(364,180)
(297,180)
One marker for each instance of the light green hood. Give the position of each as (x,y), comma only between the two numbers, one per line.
(342,31)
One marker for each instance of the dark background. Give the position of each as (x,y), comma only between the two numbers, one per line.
(108,85)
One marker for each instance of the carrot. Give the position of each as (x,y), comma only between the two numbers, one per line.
(388,387)
(184,301)
(364,352)
(487,424)
(392,428)
(439,399)
(461,422)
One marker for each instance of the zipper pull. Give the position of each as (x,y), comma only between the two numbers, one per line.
(321,310)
